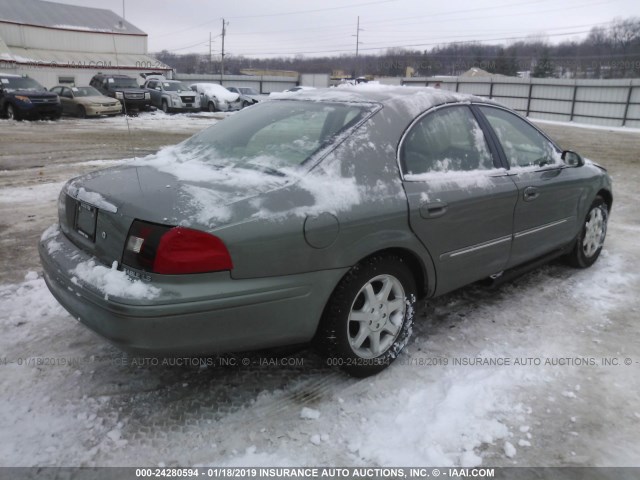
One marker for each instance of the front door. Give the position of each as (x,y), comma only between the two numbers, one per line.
(546,215)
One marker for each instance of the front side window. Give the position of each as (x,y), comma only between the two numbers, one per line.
(523,145)
(449,139)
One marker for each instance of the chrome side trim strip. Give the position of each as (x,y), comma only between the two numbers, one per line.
(474,248)
(540,228)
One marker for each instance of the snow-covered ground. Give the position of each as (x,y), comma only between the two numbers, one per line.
(515,375)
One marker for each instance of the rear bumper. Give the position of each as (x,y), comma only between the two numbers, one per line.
(194,314)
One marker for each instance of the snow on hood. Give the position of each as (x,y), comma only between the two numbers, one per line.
(218,91)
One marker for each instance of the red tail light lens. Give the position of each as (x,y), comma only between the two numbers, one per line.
(174,250)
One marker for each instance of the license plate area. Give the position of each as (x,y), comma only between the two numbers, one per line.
(85,221)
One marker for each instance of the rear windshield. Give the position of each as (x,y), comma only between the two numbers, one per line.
(20,83)
(275,135)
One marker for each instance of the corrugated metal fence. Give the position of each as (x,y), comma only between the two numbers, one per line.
(599,102)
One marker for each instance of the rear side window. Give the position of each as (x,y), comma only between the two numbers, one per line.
(449,139)
(523,145)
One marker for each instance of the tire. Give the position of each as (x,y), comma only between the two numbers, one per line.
(245,104)
(165,106)
(11,113)
(82,112)
(362,337)
(211,107)
(591,238)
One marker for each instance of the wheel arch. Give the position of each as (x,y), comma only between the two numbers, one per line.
(413,262)
(606,196)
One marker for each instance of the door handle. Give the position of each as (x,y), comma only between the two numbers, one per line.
(530,193)
(433,209)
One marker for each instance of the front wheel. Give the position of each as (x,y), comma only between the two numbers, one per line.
(165,106)
(368,319)
(211,107)
(591,239)
(11,113)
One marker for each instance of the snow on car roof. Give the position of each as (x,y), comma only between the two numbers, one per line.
(414,99)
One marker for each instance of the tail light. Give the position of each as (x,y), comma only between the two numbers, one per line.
(174,250)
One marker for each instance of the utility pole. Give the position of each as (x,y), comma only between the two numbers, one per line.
(210,56)
(357,35)
(224,32)
(123,9)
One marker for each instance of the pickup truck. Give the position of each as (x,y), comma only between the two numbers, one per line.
(172,96)
(123,88)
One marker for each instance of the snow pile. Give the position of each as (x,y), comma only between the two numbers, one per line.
(309,414)
(48,237)
(95,199)
(209,205)
(613,275)
(442,423)
(112,281)
(36,193)
(199,165)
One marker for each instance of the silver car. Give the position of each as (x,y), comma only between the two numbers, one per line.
(248,95)
(216,98)
(318,218)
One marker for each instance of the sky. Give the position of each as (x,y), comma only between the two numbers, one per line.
(318,28)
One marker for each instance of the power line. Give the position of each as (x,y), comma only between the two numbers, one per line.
(355,5)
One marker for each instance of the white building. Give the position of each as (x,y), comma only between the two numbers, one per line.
(65,44)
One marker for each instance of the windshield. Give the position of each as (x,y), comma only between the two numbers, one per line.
(123,82)
(20,83)
(274,135)
(175,87)
(248,91)
(85,92)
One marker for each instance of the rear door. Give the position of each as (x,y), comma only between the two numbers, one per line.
(461,200)
(546,215)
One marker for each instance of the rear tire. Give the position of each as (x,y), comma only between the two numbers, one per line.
(369,317)
(591,238)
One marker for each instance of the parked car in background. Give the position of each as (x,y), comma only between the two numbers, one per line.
(172,96)
(123,88)
(299,88)
(86,102)
(216,98)
(23,97)
(319,218)
(248,95)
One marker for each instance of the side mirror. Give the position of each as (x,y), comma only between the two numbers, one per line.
(572,159)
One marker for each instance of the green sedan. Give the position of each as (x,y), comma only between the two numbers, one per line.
(319,217)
